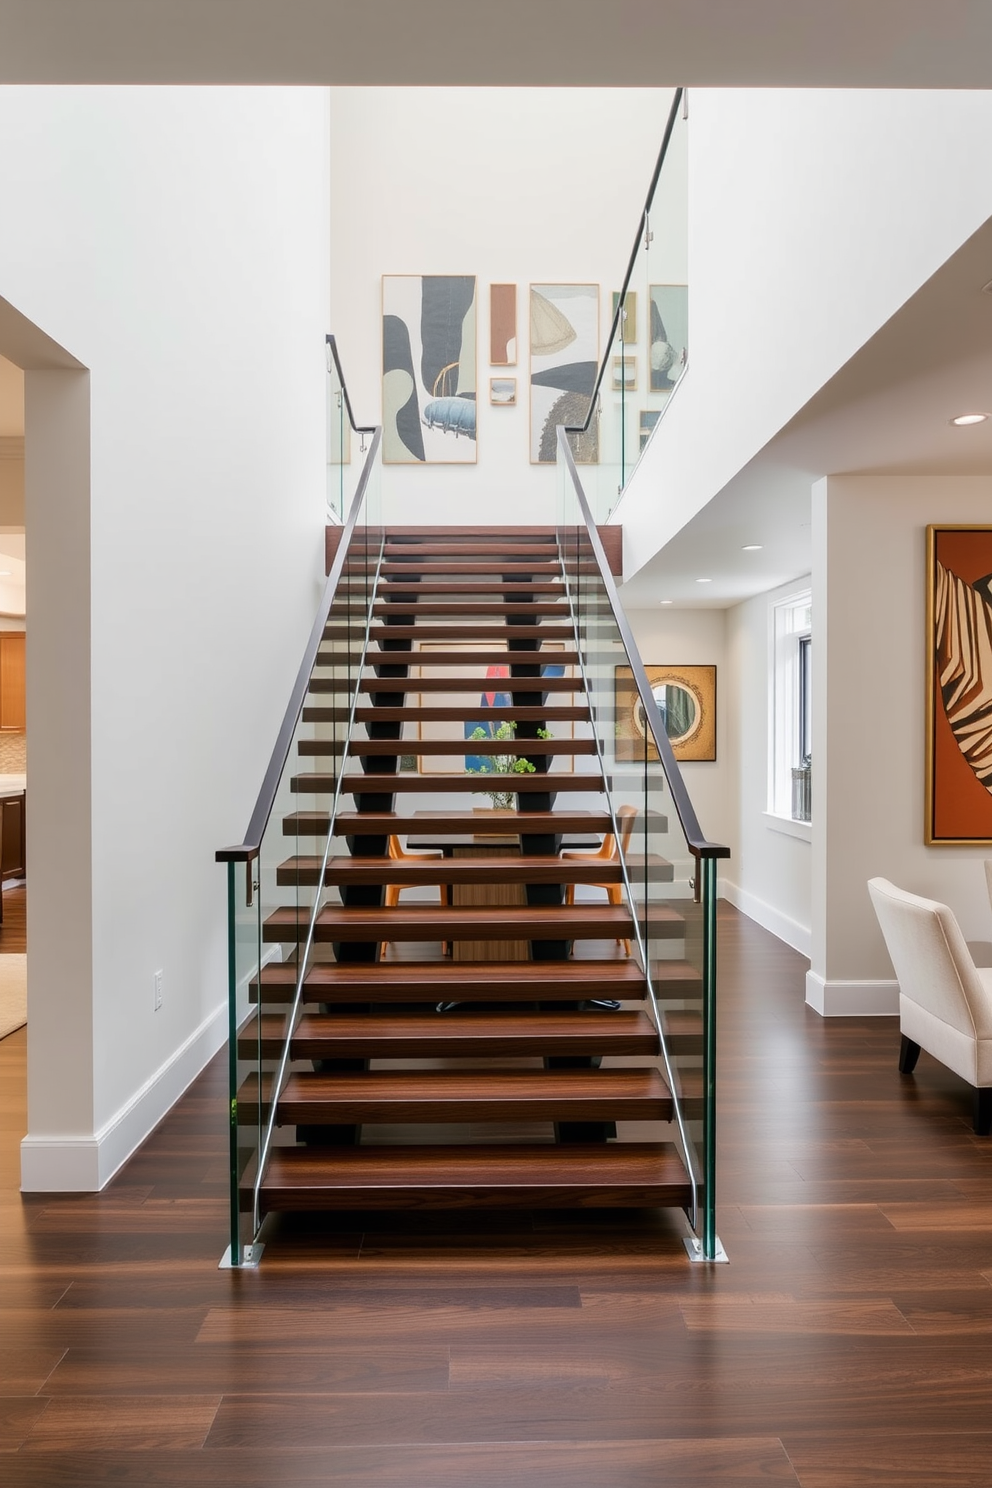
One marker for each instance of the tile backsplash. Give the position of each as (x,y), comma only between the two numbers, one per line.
(13,753)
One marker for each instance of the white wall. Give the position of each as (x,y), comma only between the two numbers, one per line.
(515,185)
(869,727)
(769,874)
(813,216)
(176,242)
(674,637)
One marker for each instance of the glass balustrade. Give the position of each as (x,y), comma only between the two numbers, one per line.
(670,869)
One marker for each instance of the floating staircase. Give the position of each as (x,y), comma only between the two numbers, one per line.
(419,1079)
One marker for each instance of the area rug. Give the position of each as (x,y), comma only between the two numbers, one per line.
(13,992)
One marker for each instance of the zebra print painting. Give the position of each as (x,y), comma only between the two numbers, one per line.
(959,685)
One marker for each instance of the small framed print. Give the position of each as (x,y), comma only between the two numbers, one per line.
(503,390)
(649,417)
(628,324)
(958,800)
(625,374)
(686,699)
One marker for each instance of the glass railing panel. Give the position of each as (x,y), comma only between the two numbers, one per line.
(670,879)
(661,280)
(270,936)
(646,346)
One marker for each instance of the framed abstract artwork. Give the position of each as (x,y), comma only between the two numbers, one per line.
(564,360)
(503,325)
(668,334)
(624,374)
(428,369)
(686,699)
(959,686)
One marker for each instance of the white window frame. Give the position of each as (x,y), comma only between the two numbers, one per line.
(791,623)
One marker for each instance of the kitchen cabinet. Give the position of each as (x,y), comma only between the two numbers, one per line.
(13,859)
(12,671)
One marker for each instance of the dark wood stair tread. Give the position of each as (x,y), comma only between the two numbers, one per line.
(355,783)
(539,1176)
(457,1034)
(450,684)
(457,823)
(635,1094)
(450,713)
(530,870)
(431,982)
(426,604)
(480,633)
(489,922)
(487,655)
(367,748)
(520,567)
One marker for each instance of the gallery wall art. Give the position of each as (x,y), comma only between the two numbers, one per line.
(564,360)
(959,685)
(503,390)
(503,325)
(429,382)
(686,699)
(668,334)
(628,326)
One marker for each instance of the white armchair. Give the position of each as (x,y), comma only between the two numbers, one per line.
(945,1001)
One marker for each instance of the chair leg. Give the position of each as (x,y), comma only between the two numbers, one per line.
(983,1111)
(909,1053)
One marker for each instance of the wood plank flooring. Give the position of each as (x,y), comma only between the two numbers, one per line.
(848,1343)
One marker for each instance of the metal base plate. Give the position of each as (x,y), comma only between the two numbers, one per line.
(695,1249)
(250,1257)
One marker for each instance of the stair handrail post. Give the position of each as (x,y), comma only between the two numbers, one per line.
(705,853)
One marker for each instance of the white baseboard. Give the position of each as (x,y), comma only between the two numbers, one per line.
(85,1164)
(770,918)
(852,999)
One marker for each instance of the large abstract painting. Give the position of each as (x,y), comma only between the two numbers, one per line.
(959,685)
(564,359)
(428,369)
(668,351)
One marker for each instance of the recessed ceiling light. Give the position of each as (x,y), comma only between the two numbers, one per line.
(969,418)
(751,548)
(667,601)
(704,581)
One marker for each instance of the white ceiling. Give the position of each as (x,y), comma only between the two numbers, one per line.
(742,43)
(887,411)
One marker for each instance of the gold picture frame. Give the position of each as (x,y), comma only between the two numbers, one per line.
(691,690)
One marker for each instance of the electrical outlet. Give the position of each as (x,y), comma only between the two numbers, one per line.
(158,990)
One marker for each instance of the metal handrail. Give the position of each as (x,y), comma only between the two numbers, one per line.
(698,845)
(642,227)
(332,346)
(248,850)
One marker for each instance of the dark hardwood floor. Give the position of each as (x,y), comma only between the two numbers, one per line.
(14,930)
(848,1343)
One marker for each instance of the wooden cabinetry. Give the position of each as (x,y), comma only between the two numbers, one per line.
(12,670)
(13,859)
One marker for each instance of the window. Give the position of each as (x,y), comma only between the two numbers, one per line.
(791,731)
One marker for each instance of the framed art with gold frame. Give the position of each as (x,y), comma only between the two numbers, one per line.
(958,786)
(686,698)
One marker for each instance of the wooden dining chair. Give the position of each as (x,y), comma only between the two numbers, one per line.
(608,853)
(399,854)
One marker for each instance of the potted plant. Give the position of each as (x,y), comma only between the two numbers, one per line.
(503,764)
